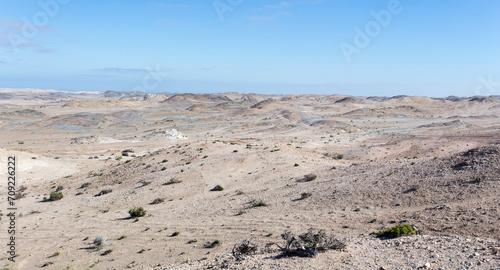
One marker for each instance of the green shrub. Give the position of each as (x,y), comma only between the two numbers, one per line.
(217,188)
(55,196)
(339,156)
(478,180)
(137,212)
(259,203)
(305,195)
(396,231)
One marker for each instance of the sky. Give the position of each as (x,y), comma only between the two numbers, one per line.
(353,47)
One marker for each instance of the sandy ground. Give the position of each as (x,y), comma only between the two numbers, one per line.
(378,162)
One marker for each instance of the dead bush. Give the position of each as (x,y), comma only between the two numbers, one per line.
(172,181)
(243,248)
(309,244)
(308,178)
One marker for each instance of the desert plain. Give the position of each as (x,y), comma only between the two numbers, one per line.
(347,165)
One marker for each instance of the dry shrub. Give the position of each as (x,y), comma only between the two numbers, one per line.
(244,248)
(309,244)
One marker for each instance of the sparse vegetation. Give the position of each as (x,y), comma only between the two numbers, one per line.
(55,196)
(174,234)
(309,244)
(100,242)
(84,185)
(396,231)
(173,181)
(107,252)
(47,264)
(478,180)
(258,203)
(137,212)
(213,244)
(296,165)
(55,254)
(309,177)
(157,201)
(123,236)
(412,188)
(144,183)
(244,248)
(305,195)
(339,156)
(103,192)
(217,188)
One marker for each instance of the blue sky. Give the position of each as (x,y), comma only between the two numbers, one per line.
(379,47)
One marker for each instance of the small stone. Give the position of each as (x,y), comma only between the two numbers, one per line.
(427,265)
